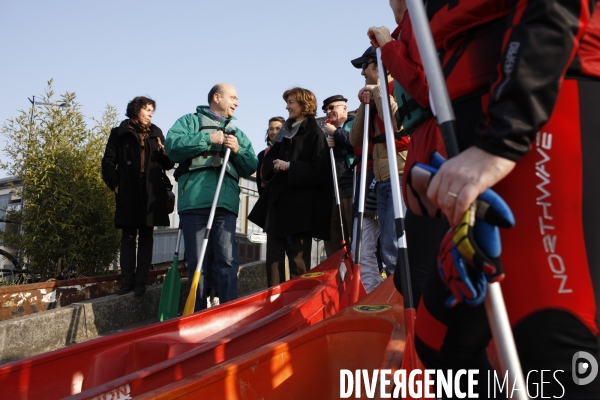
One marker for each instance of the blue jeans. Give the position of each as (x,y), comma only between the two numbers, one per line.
(385,214)
(221,254)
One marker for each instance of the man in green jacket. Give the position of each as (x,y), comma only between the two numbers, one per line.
(197,142)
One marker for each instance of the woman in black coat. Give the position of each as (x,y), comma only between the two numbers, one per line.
(133,167)
(298,196)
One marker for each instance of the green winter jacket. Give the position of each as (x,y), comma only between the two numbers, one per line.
(196,189)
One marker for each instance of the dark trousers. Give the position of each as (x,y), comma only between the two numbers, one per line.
(298,254)
(220,264)
(145,241)
(423,235)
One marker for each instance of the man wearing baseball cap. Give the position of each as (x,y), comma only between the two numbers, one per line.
(371,94)
(370,264)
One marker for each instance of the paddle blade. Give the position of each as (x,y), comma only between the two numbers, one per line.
(191,300)
(411,360)
(169,297)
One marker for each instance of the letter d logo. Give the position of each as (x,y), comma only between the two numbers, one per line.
(583,367)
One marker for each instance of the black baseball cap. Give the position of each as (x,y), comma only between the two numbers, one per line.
(369,54)
(329,100)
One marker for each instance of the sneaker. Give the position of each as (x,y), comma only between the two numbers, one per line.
(124,289)
(140,289)
(214,302)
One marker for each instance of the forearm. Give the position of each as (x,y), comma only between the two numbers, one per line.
(245,162)
(245,159)
(535,56)
(184,141)
(403,61)
(357,130)
(110,162)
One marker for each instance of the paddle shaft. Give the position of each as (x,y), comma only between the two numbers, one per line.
(353,183)
(363,185)
(176,255)
(213,209)
(337,190)
(287,268)
(494,301)
(174,265)
(402,262)
(191,300)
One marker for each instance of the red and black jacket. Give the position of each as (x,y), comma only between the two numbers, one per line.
(518,52)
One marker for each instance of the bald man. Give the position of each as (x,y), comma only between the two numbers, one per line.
(198,142)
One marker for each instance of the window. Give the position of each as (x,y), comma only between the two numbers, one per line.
(3,205)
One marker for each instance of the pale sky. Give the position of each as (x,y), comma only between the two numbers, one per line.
(110,51)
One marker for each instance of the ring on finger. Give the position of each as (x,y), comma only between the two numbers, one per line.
(452,194)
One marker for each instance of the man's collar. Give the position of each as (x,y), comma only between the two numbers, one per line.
(342,124)
(206,111)
(215,116)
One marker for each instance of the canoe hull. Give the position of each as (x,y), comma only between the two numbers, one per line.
(370,335)
(153,356)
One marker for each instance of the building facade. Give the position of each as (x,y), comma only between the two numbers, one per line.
(9,200)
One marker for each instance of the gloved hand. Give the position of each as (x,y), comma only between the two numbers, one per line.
(371,204)
(417,182)
(465,284)
(469,254)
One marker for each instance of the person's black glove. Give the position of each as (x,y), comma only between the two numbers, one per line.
(371,202)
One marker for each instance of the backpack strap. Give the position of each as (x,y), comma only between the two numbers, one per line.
(209,158)
(381,138)
(184,167)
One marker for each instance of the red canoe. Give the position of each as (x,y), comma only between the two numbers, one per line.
(306,365)
(137,361)
(371,334)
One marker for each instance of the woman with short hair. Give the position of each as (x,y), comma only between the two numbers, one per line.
(133,167)
(297,199)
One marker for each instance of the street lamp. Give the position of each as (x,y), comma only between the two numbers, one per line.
(41,103)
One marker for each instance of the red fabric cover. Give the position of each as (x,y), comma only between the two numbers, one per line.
(588,51)
(553,257)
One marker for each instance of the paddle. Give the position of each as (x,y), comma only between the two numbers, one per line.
(169,297)
(494,301)
(337,193)
(363,184)
(191,300)
(411,360)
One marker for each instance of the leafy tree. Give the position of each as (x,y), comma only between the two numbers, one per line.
(67,220)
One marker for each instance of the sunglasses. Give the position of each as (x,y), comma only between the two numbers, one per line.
(366,64)
(330,108)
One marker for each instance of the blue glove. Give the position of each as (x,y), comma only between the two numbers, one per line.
(469,255)
(465,284)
